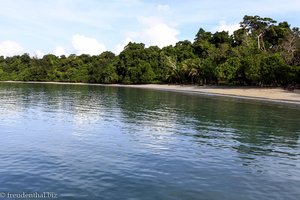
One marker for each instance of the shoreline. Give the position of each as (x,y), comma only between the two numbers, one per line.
(275,95)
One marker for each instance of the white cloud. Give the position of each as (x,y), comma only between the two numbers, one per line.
(67,17)
(227,27)
(59,50)
(163,8)
(120,47)
(10,48)
(87,45)
(160,35)
(155,32)
(39,54)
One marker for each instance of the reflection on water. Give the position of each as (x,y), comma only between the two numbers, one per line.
(89,142)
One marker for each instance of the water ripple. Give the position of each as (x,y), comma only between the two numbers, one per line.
(89,142)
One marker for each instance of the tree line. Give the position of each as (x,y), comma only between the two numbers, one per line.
(262,52)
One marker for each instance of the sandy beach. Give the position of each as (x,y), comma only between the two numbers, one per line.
(263,94)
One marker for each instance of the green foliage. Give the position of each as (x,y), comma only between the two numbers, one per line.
(228,71)
(251,68)
(102,69)
(184,50)
(261,52)
(202,35)
(274,70)
(220,38)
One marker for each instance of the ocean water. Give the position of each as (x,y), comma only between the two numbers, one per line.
(94,142)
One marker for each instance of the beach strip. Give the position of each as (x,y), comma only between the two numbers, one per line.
(256,93)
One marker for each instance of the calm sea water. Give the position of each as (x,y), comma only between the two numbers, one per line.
(91,142)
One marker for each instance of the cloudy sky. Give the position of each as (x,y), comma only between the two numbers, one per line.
(60,27)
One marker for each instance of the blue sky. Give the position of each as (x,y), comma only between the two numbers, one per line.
(60,27)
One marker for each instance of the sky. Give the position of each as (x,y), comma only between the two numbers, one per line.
(58,27)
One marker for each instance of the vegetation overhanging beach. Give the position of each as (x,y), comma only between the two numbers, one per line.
(262,52)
